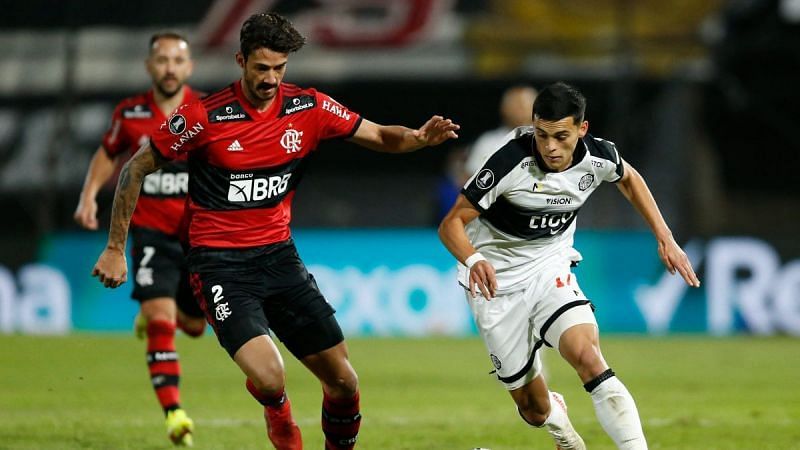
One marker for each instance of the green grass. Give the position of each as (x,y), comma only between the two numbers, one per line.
(92,391)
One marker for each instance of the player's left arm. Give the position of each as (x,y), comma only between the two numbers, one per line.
(400,139)
(634,188)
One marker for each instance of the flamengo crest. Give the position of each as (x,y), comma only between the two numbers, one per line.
(291,140)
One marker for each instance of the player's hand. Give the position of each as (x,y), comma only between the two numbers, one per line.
(86,214)
(675,259)
(436,130)
(482,275)
(111,268)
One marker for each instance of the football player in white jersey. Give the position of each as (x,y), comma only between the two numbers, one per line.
(512,229)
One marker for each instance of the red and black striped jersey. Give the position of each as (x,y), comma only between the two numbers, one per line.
(161,202)
(244,164)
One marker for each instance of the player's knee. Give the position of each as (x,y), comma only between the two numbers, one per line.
(269,384)
(193,327)
(342,386)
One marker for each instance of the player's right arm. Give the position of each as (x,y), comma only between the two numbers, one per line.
(454,237)
(111,267)
(101,168)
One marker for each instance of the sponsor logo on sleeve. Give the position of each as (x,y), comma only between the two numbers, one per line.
(293,105)
(232,112)
(336,109)
(186,136)
(485,179)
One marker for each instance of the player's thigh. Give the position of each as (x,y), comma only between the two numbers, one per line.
(185,299)
(303,320)
(231,302)
(157,265)
(559,305)
(504,324)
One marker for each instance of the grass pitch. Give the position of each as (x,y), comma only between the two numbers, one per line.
(93,392)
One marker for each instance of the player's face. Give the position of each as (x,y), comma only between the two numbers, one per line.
(556,140)
(262,73)
(169,65)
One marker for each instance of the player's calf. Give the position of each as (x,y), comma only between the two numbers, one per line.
(282,430)
(341,420)
(616,411)
(558,425)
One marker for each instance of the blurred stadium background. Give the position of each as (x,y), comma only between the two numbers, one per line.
(700,96)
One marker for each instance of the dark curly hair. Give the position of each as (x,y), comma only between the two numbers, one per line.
(269,30)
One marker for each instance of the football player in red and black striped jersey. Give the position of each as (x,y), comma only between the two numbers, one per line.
(248,145)
(161,280)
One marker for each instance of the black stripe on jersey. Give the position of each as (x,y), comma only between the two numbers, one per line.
(171,181)
(496,167)
(606,150)
(525,223)
(215,188)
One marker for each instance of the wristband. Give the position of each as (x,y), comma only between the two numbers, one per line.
(473,259)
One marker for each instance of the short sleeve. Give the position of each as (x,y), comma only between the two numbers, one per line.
(186,129)
(492,179)
(334,119)
(613,167)
(114,140)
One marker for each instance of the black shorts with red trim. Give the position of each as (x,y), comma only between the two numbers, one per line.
(249,292)
(159,270)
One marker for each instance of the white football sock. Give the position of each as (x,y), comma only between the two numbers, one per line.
(559,426)
(617,413)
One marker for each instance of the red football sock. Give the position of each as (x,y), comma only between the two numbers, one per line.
(341,419)
(162,362)
(282,430)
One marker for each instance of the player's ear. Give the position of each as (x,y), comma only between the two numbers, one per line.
(584,128)
(240,59)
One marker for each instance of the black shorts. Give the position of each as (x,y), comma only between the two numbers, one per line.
(159,270)
(246,293)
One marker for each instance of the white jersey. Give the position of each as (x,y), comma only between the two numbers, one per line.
(528,212)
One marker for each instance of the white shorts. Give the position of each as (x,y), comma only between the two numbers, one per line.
(511,325)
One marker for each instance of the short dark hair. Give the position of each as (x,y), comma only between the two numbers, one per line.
(560,100)
(269,30)
(165,35)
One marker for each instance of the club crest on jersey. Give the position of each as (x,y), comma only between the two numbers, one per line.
(232,112)
(293,105)
(485,179)
(177,124)
(585,182)
(291,140)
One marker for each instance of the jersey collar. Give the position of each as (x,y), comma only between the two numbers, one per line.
(271,109)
